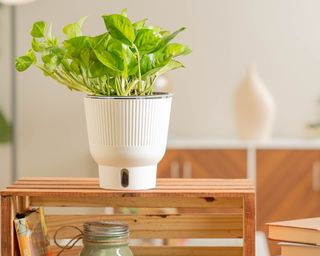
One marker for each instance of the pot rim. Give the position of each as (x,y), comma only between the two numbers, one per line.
(155,95)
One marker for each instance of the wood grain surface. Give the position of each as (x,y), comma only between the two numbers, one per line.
(233,199)
(205,163)
(160,225)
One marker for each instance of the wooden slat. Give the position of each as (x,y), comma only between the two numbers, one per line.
(93,186)
(72,193)
(188,184)
(249,225)
(90,191)
(159,181)
(146,202)
(159,226)
(210,187)
(88,187)
(170,251)
(74,251)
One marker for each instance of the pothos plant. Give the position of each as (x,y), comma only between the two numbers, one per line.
(125,60)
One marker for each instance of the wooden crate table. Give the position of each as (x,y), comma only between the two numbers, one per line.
(231,214)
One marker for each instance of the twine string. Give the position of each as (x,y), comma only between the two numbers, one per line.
(72,241)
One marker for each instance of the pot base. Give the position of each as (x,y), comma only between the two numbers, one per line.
(127,178)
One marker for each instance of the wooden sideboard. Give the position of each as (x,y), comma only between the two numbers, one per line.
(287,186)
(286,174)
(203,163)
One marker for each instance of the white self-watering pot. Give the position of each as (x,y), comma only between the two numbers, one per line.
(127,138)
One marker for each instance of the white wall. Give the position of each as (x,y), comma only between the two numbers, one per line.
(281,37)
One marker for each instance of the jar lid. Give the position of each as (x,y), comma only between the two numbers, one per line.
(105,229)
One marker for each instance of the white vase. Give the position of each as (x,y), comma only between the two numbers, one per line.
(254,109)
(162,84)
(127,138)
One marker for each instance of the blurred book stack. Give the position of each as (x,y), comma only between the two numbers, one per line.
(297,237)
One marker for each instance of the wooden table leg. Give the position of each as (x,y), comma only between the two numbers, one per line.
(8,242)
(249,225)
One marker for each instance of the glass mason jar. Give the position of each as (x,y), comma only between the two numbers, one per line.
(104,238)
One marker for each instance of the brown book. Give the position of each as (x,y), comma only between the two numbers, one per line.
(300,231)
(290,249)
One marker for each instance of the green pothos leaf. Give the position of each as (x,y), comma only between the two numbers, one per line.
(171,65)
(24,62)
(38,29)
(167,38)
(74,30)
(124,12)
(147,40)
(120,28)
(5,129)
(110,60)
(139,24)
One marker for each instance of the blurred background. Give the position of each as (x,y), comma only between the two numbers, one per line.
(280,38)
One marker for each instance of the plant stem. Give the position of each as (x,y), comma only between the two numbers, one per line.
(107,86)
(64,80)
(150,88)
(139,68)
(130,87)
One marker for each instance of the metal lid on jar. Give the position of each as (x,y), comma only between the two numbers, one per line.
(97,230)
